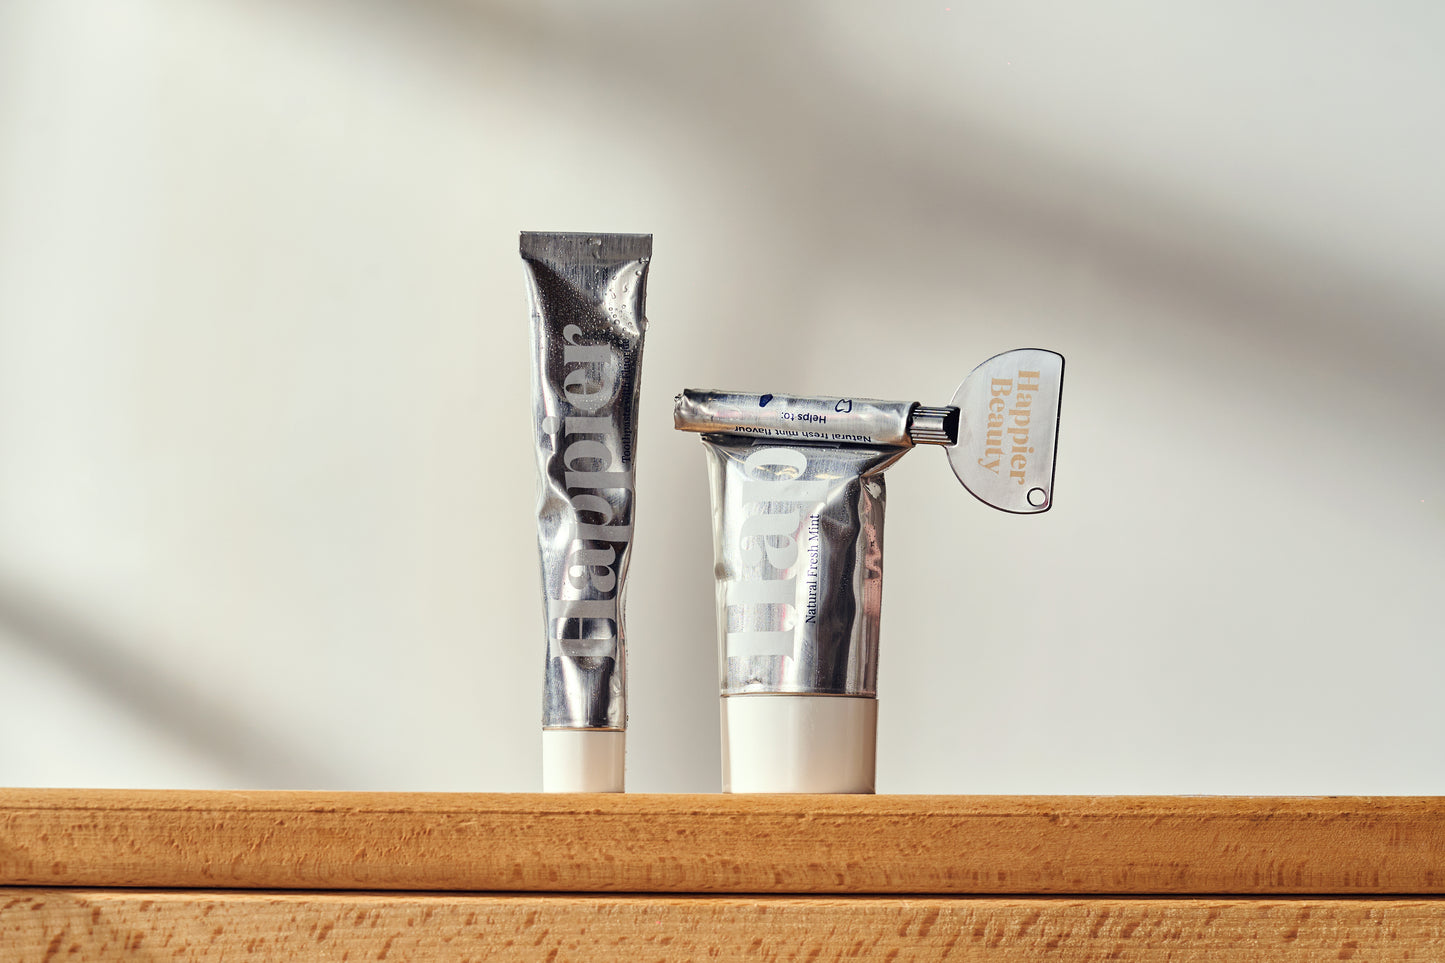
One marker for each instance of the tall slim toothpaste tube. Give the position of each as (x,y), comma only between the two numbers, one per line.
(586,293)
(798,504)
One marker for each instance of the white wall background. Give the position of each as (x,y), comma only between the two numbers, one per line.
(265,477)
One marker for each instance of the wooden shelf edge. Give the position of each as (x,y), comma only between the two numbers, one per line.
(112,925)
(723,844)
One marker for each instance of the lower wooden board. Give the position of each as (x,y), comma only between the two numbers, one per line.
(46,925)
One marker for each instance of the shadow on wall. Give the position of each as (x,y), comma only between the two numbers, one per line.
(855,177)
(148,690)
(851,175)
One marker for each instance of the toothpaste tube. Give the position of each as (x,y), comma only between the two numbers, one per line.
(798,504)
(586,293)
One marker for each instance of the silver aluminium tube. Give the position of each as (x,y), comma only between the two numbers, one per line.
(586,293)
(798,502)
(798,498)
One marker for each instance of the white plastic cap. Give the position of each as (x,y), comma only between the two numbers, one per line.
(799,743)
(583,760)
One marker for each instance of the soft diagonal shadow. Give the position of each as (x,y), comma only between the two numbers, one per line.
(151,692)
(854,168)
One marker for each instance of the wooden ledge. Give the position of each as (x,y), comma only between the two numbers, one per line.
(723,844)
(205,925)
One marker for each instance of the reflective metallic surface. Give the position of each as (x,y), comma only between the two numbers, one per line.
(798,499)
(781,418)
(1008,429)
(933,426)
(798,553)
(586,294)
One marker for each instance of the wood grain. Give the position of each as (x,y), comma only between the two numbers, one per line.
(48,924)
(721,844)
